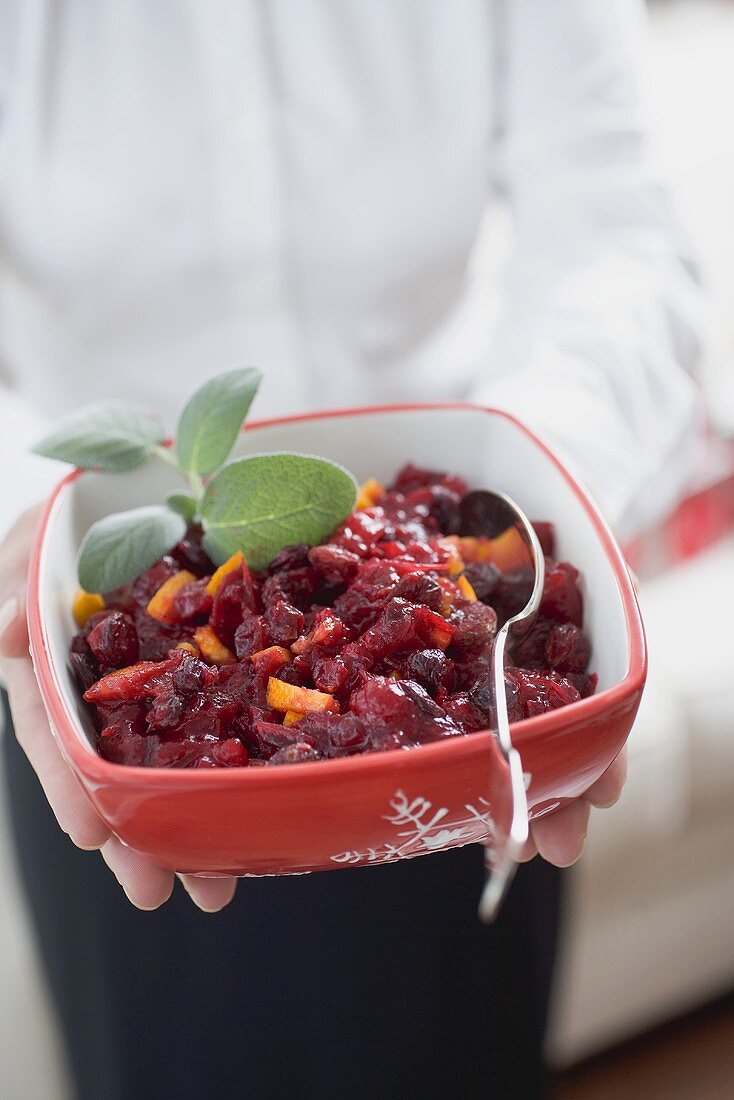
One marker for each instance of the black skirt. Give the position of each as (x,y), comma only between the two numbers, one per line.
(369,982)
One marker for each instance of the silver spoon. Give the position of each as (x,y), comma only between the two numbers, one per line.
(502,512)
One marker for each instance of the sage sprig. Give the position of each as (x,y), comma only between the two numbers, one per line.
(257,504)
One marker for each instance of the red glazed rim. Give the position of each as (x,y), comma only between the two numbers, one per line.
(101,772)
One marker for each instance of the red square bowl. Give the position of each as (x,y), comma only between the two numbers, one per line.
(362,809)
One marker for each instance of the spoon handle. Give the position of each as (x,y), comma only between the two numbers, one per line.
(501,873)
(501,865)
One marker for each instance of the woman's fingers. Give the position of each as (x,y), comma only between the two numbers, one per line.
(210,894)
(145,885)
(608,786)
(13,628)
(529,851)
(73,811)
(14,553)
(560,836)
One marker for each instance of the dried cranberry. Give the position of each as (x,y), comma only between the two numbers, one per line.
(481,513)
(414,477)
(167,711)
(409,712)
(156,639)
(529,651)
(420,588)
(191,675)
(483,577)
(513,698)
(114,641)
(347,735)
(511,593)
(444,509)
(546,537)
(148,583)
(284,622)
(271,736)
(290,557)
(567,648)
(475,625)
(230,753)
(191,555)
(298,753)
(396,628)
(334,564)
(542,691)
(192,600)
(430,668)
(177,754)
(561,595)
(293,673)
(584,682)
(229,607)
(250,636)
(125,747)
(462,710)
(85,669)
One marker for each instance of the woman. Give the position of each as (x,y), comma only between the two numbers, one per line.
(302,185)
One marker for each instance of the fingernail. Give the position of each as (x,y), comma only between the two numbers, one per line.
(142,908)
(608,805)
(8,614)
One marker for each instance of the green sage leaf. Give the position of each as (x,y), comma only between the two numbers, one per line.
(182,504)
(106,435)
(264,502)
(212,418)
(119,547)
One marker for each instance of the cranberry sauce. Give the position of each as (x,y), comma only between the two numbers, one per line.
(378,639)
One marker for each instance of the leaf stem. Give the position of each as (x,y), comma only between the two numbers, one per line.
(167,455)
(197,486)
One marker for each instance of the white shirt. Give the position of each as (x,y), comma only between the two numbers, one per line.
(194,184)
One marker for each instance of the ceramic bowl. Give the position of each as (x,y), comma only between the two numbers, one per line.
(382,806)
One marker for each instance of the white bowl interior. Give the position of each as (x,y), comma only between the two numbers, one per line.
(488,450)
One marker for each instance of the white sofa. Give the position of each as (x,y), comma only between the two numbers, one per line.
(649,930)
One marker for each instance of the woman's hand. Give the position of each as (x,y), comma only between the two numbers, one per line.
(146,885)
(560,837)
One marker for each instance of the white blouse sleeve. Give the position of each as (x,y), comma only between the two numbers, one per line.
(24,477)
(601,313)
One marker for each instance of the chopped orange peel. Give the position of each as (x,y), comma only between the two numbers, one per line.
(212,649)
(280,651)
(189,647)
(215,581)
(456,565)
(84,605)
(292,717)
(448,595)
(161,605)
(508,551)
(466,589)
(439,638)
(290,697)
(369,494)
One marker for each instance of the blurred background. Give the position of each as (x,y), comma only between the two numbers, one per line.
(643,1004)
